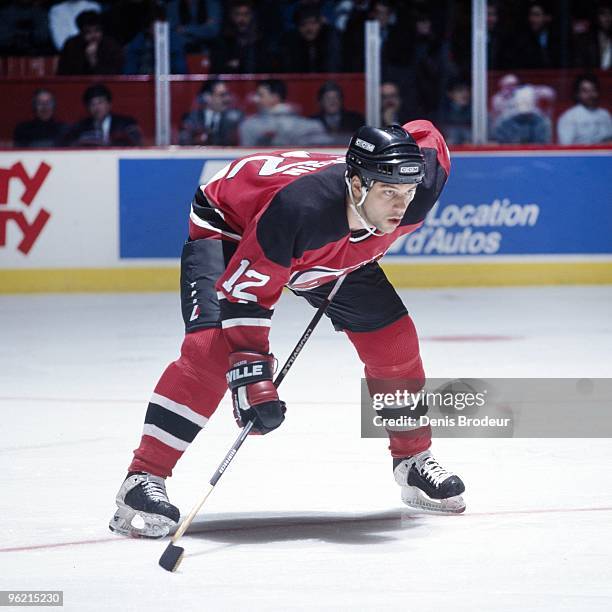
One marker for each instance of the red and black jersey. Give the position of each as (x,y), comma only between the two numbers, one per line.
(286,210)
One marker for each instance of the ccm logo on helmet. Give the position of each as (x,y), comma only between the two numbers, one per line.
(409,169)
(368,146)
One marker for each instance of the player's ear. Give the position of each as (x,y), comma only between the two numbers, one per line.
(356,186)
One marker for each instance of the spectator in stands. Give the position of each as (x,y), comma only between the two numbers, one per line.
(390,103)
(140,52)
(345,10)
(313,46)
(593,47)
(103,128)
(339,123)
(504,102)
(197,22)
(603,38)
(90,51)
(288,8)
(455,115)
(495,44)
(537,46)
(586,122)
(125,19)
(241,49)
(430,62)
(353,38)
(277,123)
(527,125)
(62,19)
(394,41)
(43,130)
(213,121)
(24,29)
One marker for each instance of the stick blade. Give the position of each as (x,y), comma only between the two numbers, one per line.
(171,557)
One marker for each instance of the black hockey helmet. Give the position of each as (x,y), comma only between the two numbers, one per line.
(388,155)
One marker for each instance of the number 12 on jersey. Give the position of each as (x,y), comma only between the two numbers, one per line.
(238,290)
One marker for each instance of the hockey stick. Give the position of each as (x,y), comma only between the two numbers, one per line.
(173,555)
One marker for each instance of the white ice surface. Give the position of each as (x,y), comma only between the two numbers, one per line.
(307,518)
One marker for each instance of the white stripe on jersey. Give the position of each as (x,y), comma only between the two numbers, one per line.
(251,322)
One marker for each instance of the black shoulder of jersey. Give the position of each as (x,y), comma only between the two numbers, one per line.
(307,214)
(428,191)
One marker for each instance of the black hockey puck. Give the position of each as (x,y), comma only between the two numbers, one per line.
(171,557)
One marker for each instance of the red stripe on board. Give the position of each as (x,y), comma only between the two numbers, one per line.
(318,522)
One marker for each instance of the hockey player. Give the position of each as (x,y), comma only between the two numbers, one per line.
(299,220)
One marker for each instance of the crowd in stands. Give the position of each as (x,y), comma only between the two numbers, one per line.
(425,49)
(325,35)
(100,128)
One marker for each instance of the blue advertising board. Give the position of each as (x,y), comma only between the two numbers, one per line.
(493,204)
(154,201)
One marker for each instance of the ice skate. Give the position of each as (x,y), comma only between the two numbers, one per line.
(426,485)
(143,509)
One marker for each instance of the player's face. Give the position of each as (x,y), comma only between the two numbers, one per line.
(386,204)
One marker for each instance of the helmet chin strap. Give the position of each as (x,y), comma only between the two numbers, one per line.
(356,207)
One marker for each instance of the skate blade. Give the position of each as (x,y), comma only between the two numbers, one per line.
(129,522)
(414,497)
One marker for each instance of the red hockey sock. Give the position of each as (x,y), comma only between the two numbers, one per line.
(393,362)
(185,397)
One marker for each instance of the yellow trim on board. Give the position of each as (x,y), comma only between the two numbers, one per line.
(67,280)
(400,274)
(499,274)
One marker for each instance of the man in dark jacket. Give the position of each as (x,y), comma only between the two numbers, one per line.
(90,51)
(140,51)
(339,123)
(213,121)
(455,113)
(103,128)
(43,130)
(313,46)
(241,48)
(537,46)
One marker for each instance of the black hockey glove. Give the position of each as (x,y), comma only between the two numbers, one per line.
(253,394)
